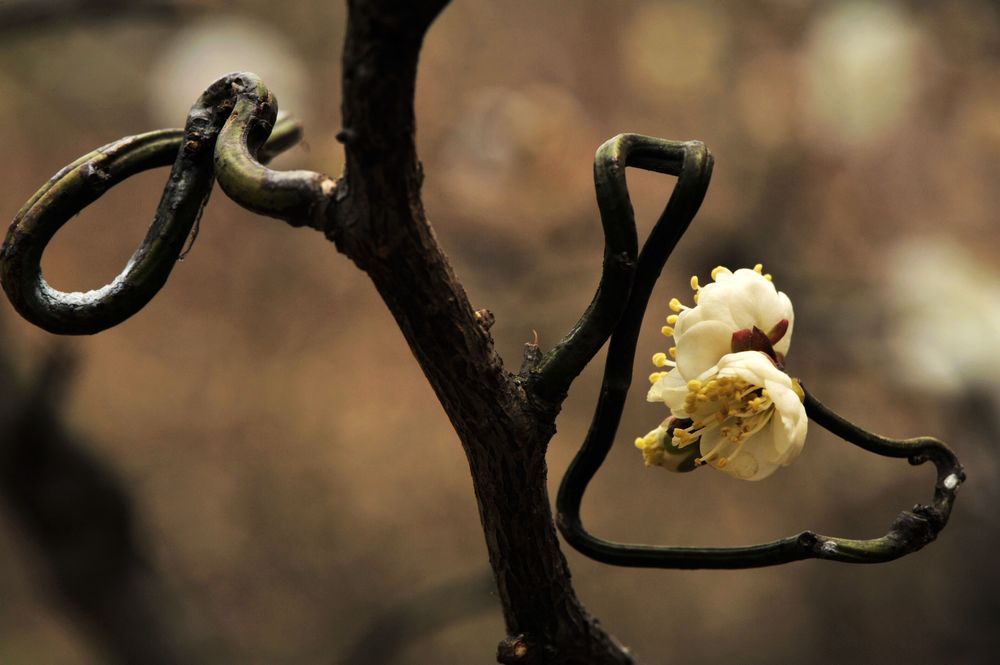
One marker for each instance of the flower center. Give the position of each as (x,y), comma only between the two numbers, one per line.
(755,339)
(738,408)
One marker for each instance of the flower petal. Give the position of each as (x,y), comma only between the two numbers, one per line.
(753,367)
(735,305)
(671,389)
(748,467)
(755,301)
(756,460)
(700,348)
(709,441)
(781,346)
(790,423)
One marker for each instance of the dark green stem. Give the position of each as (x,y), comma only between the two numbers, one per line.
(560,366)
(298,197)
(84,181)
(909,532)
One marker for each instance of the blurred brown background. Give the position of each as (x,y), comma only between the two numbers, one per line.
(295,482)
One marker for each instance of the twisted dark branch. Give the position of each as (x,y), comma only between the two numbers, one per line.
(300,198)
(691,160)
(911,530)
(84,181)
(908,533)
(560,366)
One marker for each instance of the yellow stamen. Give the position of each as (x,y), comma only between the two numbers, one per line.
(667,331)
(672,351)
(672,319)
(676,305)
(716,270)
(660,359)
(759,268)
(694,283)
(768,277)
(656,376)
(738,408)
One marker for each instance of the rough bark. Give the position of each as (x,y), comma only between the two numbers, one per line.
(381,225)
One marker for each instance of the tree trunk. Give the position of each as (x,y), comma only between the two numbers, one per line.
(380,224)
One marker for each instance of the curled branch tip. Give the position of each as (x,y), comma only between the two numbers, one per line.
(232,129)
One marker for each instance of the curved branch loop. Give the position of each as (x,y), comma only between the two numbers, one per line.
(908,533)
(690,161)
(79,184)
(298,197)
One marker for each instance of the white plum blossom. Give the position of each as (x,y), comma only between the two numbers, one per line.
(733,302)
(745,414)
(727,390)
